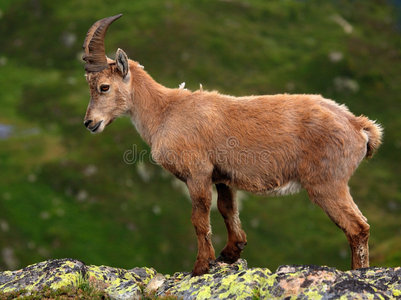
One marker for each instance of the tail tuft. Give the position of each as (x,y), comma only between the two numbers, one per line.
(374,132)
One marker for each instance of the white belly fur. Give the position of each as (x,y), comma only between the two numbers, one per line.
(291,187)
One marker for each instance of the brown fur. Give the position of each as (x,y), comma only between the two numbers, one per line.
(261,144)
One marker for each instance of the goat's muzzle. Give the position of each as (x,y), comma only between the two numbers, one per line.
(93,128)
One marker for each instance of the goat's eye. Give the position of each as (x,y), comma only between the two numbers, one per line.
(104,87)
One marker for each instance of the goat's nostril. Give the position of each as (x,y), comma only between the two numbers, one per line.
(87,122)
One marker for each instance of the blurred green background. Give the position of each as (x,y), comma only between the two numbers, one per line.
(67,193)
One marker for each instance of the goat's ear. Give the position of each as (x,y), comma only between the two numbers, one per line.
(122,62)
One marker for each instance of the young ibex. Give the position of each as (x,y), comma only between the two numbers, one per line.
(272,144)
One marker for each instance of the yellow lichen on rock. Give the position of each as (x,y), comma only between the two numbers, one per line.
(53,273)
(66,280)
(224,281)
(120,283)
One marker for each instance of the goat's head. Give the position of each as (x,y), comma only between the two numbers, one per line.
(109,80)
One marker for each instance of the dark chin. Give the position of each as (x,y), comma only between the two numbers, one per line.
(95,128)
(110,121)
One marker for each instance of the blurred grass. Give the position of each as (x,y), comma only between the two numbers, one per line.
(66,193)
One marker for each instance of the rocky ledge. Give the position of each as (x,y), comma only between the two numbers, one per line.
(224,281)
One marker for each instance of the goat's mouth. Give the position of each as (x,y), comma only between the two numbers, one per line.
(95,127)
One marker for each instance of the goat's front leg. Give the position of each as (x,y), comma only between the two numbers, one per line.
(200,191)
(236,236)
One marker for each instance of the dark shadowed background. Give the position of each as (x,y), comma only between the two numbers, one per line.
(67,193)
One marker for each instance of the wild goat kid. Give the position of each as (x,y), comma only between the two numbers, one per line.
(271,145)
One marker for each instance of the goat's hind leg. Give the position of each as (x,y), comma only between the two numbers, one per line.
(336,201)
(236,236)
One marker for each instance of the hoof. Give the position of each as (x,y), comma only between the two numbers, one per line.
(241,245)
(213,263)
(200,269)
(230,255)
(227,259)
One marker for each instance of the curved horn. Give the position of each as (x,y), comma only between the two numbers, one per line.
(95,55)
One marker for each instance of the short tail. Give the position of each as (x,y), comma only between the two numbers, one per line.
(374,131)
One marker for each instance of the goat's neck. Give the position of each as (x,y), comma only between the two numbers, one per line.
(149,100)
